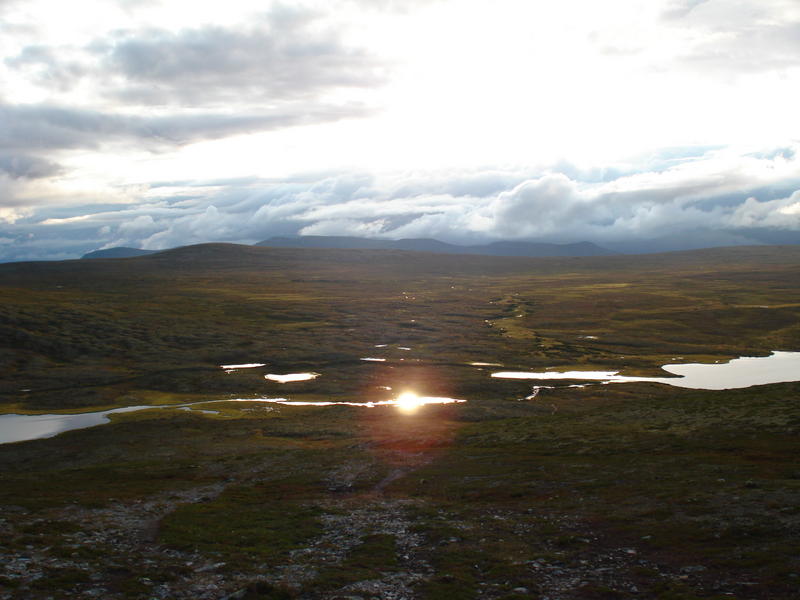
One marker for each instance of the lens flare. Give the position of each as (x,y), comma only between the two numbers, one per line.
(408,402)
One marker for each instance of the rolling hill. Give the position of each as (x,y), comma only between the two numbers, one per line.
(502,248)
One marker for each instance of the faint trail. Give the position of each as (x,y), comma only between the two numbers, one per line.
(394,475)
(416,460)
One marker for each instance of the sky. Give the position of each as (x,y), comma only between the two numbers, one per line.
(155,124)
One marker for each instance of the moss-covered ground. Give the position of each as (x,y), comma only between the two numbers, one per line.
(609,491)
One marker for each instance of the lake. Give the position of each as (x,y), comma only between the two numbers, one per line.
(742,372)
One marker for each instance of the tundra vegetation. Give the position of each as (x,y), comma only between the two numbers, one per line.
(636,490)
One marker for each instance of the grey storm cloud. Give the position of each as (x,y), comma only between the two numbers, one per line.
(27,167)
(45,128)
(281,57)
(216,64)
(205,83)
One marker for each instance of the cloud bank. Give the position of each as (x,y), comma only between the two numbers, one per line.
(726,198)
(151,125)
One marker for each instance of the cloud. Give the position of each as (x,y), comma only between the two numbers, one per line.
(51,127)
(782,213)
(695,194)
(217,65)
(728,40)
(678,9)
(210,225)
(157,90)
(536,206)
(733,196)
(756,38)
(708,192)
(35,133)
(28,167)
(95,116)
(47,67)
(753,49)
(285,56)
(10,214)
(396,6)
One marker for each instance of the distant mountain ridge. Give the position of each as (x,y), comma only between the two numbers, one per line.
(118,252)
(531,249)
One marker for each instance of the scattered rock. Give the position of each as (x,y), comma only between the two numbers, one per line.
(693,569)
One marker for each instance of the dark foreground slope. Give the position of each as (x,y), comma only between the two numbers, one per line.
(627,491)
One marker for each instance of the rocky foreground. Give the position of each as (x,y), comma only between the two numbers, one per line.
(114,553)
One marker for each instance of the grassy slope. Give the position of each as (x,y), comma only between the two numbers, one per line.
(684,478)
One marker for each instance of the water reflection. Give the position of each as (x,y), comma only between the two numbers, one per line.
(779,367)
(199,410)
(403,401)
(232,368)
(743,372)
(737,373)
(408,402)
(289,377)
(17,428)
(590,375)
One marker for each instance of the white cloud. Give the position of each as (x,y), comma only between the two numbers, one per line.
(537,207)
(11,215)
(350,227)
(782,213)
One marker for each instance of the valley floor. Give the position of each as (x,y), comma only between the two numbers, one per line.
(605,492)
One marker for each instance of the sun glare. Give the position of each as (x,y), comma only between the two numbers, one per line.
(408,402)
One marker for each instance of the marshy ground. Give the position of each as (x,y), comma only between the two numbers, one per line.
(635,490)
